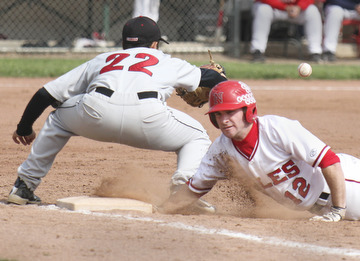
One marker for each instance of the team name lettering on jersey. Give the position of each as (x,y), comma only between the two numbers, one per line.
(290,170)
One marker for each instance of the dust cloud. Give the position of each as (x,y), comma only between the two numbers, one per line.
(135,182)
(248,196)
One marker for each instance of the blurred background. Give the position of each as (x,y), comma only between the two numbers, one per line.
(78,24)
(191,26)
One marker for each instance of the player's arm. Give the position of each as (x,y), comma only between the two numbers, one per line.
(334,176)
(179,200)
(209,78)
(39,102)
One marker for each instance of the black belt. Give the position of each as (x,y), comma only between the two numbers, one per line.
(106,91)
(324,195)
(320,203)
(142,95)
(146,95)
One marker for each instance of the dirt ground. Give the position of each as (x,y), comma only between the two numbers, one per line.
(329,109)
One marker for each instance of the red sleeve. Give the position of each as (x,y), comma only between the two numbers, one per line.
(330,158)
(278,4)
(304,3)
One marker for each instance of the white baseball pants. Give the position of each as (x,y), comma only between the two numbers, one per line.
(264,15)
(149,8)
(334,15)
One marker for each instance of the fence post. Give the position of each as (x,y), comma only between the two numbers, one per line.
(237,28)
(106,14)
(90,19)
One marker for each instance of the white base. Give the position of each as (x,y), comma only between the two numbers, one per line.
(100,203)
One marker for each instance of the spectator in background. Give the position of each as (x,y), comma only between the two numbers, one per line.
(149,8)
(335,11)
(303,12)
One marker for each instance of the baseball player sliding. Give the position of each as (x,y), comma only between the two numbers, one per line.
(285,160)
(117,97)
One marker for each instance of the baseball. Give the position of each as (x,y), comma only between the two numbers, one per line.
(304,70)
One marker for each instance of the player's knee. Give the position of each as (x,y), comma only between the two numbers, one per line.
(334,12)
(265,11)
(312,12)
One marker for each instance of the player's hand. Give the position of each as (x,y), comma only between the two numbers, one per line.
(334,215)
(293,11)
(25,140)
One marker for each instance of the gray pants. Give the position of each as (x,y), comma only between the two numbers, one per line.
(125,119)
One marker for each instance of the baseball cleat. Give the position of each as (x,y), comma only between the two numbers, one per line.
(329,57)
(257,57)
(22,195)
(204,207)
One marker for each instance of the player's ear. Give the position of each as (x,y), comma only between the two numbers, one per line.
(155,45)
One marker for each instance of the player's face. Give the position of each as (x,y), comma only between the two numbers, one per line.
(233,123)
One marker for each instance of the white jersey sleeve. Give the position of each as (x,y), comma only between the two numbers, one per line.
(70,84)
(292,137)
(188,77)
(210,169)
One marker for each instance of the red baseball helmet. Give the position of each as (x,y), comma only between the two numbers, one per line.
(232,95)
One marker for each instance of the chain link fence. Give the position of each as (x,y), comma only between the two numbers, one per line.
(88,23)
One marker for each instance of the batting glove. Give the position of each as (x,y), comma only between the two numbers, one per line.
(334,215)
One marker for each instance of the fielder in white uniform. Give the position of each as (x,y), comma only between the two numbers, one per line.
(302,12)
(290,164)
(116,97)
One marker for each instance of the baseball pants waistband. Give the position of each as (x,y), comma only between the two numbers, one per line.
(142,95)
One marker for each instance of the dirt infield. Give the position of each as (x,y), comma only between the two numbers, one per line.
(327,108)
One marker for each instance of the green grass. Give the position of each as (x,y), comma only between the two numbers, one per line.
(36,67)
(243,70)
(54,67)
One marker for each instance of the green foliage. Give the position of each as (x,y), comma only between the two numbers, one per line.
(54,67)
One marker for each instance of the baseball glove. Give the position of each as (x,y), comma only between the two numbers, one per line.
(200,96)
(334,215)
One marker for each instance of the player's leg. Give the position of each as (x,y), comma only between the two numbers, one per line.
(137,8)
(50,140)
(334,16)
(193,142)
(262,18)
(313,31)
(154,9)
(147,124)
(351,167)
(353,199)
(173,130)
